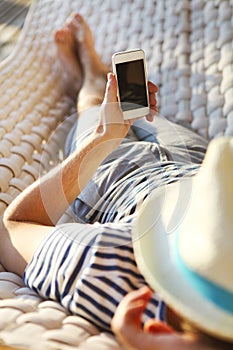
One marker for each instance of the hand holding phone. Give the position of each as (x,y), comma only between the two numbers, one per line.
(130,70)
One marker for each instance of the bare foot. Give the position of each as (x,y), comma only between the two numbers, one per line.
(65,43)
(90,60)
(94,70)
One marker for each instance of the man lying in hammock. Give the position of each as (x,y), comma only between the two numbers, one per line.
(89,265)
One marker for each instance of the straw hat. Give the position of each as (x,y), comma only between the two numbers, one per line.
(183,241)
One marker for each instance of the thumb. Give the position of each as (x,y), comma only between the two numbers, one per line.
(159,327)
(111,89)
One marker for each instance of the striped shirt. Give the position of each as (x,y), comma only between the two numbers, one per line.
(89,266)
(125,180)
(89,269)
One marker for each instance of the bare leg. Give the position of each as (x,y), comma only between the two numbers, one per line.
(94,70)
(66,51)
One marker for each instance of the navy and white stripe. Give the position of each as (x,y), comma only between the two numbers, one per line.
(124,196)
(89,266)
(88,269)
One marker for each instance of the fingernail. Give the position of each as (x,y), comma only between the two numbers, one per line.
(110,75)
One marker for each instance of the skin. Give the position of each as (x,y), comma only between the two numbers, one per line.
(156,335)
(31,216)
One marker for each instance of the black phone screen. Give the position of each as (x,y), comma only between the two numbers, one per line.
(132,85)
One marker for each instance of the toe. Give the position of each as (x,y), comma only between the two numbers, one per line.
(76,19)
(58,36)
(77,26)
(64,37)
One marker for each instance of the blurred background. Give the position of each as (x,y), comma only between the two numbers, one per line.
(12,17)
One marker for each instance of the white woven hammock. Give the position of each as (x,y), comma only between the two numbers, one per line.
(189,50)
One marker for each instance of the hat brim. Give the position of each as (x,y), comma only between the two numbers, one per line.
(154,235)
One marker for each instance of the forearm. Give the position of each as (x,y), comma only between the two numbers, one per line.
(46,200)
(30,217)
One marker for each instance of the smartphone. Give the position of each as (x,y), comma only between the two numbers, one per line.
(129,68)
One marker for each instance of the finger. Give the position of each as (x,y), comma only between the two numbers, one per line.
(154,326)
(152,88)
(110,110)
(134,310)
(153,101)
(132,306)
(150,118)
(139,294)
(152,114)
(153,110)
(111,89)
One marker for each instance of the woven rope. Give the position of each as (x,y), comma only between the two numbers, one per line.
(189,53)
(33,104)
(188,44)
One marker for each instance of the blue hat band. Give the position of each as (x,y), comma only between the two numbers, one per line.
(221,297)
